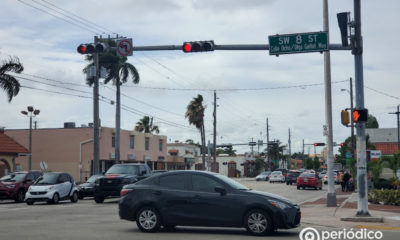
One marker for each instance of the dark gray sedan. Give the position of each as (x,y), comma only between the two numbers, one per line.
(197,198)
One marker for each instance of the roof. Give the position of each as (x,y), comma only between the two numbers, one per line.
(9,146)
(382,135)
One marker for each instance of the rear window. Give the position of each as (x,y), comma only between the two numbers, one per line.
(276,173)
(13,177)
(307,175)
(124,169)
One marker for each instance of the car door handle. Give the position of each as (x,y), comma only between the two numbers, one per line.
(156,192)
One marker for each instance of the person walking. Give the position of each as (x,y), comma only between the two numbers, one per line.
(341,175)
(346,178)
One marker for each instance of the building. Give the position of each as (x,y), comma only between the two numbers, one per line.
(71,149)
(238,165)
(9,151)
(384,139)
(182,156)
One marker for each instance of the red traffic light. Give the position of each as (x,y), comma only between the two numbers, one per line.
(319,144)
(82,49)
(187,47)
(342,144)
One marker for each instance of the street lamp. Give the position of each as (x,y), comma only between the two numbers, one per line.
(31,113)
(398,129)
(353,147)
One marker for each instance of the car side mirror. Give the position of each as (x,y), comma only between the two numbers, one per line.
(220,190)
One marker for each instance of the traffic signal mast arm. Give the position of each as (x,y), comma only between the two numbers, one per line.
(224,47)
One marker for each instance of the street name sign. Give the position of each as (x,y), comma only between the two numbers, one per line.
(298,43)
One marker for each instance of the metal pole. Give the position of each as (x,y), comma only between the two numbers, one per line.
(398,129)
(96,120)
(30,143)
(353,146)
(268,160)
(331,195)
(302,156)
(214,167)
(208,155)
(360,127)
(290,153)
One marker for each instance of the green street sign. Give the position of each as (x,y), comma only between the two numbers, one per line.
(298,43)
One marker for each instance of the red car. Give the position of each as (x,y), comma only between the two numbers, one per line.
(15,185)
(308,179)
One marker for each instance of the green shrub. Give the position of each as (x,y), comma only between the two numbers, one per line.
(385,196)
(383,184)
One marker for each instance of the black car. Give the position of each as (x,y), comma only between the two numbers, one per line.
(197,198)
(292,177)
(86,189)
(116,177)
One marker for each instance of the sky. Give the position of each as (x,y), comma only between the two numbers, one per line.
(251,86)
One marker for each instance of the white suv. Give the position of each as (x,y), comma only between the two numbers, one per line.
(52,187)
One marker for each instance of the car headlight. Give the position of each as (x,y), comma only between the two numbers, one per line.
(10,186)
(50,188)
(278,204)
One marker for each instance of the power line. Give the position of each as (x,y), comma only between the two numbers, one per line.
(63,19)
(50,91)
(382,93)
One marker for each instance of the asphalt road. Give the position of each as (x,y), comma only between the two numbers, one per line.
(88,220)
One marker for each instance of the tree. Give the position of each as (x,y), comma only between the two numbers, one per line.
(146,125)
(8,82)
(275,152)
(195,115)
(316,163)
(392,162)
(309,163)
(227,150)
(118,72)
(376,168)
(371,122)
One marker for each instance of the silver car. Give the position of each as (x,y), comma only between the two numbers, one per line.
(277,176)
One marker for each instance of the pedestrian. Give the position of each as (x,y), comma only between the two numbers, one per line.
(341,175)
(346,178)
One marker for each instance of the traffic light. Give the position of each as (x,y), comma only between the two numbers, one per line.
(198,46)
(342,144)
(345,116)
(89,48)
(343,20)
(319,144)
(360,115)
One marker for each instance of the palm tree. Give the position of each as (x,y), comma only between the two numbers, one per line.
(146,125)
(275,152)
(118,72)
(8,82)
(195,115)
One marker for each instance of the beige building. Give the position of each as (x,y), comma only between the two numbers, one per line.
(182,156)
(71,149)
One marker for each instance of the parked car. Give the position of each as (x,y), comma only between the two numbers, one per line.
(14,185)
(264,176)
(276,176)
(283,170)
(52,187)
(307,179)
(86,189)
(322,174)
(292,177)
(197,198)
(116,177)
(335,178)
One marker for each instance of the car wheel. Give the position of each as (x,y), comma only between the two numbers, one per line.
(298,187)
(287,183)
(98,199)
(74,197)
(30,202)
(80,197)
(258,222)
(20,196)
(320,188)
(148,219)
(55,198)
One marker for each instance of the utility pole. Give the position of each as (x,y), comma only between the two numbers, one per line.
(353,143)
(331,195)
(290,152)
(268,160)
(214,167)
(96,120)
(398,126)
(302,156)
(360,126)
(208,155)
(35,125)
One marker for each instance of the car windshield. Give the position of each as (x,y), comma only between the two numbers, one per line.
(13,177)
(307,175)
(293,173)
(93,178)
(123,169)
(47,179)
(231,183)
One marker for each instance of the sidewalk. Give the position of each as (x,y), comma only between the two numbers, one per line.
(317,213)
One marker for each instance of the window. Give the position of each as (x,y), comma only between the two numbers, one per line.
(132,142)
(30,177)
(161,145)
(204,184)
(149,181)
(63,178)
(147,144)
(176,181)
(113,141)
